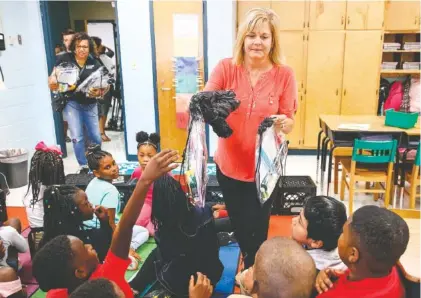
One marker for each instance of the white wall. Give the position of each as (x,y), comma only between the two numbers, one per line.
(90,10)
(221,25)
(25,106)
(137,70)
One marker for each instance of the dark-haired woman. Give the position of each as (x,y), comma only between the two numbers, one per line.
(147,147)
(82,110)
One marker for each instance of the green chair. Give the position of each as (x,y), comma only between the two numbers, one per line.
(413,178)
(371,162)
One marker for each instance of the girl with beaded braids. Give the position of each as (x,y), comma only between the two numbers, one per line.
(102,192)
(65,209)
(46,169)
(147,147)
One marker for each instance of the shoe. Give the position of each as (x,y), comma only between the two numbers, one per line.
(83,170)
(68,140)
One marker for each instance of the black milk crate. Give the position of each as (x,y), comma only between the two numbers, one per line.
(291,193)
(213,191)
(79,180)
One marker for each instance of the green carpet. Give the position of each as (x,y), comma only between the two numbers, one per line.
(143,252)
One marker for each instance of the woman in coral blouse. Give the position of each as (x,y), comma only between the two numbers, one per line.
(266,87)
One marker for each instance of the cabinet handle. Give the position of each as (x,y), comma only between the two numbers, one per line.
(349,20)
(344,92)
(342,20)
(416,18)
(337,91)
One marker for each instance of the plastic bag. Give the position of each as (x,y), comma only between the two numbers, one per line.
(67,75)
(212,108)
(99,79)
(270,156)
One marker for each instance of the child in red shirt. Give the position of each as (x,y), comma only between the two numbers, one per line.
(66,262)
(372,241)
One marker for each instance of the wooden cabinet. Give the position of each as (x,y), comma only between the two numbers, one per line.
(296,135)
(324,80)
(402,15)
(291,14)
(244,6)
(364,15)
(293,49)
(327,15)
(363,51)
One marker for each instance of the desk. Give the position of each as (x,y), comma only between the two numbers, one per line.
(409,262)
(329,125)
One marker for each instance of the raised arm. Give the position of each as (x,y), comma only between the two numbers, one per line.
(159,165)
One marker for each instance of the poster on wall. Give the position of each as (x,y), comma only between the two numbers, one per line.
(186,65)
(186,72)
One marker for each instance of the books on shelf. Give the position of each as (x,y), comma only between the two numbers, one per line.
(391,46)
(412,46)
(389,65)
(411,65)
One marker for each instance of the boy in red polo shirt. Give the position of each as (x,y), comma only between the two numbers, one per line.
(372,241)
(66,262)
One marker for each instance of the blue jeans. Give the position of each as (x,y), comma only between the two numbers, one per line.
(80,116)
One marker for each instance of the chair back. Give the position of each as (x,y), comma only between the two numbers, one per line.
(417,156)
(374,152)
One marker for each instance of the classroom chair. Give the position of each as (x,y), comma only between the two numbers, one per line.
(339,154)
(413,178)
(370,162)
(407,213)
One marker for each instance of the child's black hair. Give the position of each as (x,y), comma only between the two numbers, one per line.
(142,138)
(97,288)
(46,169)
(381,235)
(53,264)
(61,214)
(326,217)
(94,156)
(170,206)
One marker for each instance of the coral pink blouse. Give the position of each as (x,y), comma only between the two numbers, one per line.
(274,93)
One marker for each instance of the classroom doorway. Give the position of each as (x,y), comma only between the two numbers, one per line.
(97,19)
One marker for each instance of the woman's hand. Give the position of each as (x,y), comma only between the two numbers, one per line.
(52,83)
(283,124)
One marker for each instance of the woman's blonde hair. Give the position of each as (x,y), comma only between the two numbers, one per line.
(254,19)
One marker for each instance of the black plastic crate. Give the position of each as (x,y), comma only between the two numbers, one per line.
(79,180)
(291,193)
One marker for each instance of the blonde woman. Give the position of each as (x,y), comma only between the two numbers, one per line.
(265,88)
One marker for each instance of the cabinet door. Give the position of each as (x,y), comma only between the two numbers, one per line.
(327,15)
(324,80)
(364,15)
(402,15)
(363,50)
(244,6)
(292,45)
(291,14)
(296,135)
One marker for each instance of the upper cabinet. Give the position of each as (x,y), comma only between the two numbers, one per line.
(402,15)
(291,14)
(244,6)
(364,15)
(327,15)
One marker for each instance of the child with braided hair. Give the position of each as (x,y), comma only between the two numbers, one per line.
(65,210)
(102,192)
(46,169)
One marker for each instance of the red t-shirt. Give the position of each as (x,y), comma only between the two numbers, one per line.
(383,287)
(113,268)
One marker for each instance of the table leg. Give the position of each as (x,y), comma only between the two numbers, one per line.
(329,170)
(319,137)
(323,165)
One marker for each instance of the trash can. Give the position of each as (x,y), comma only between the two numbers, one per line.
(14,165)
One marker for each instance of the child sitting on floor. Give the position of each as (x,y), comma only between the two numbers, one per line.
(318,228)
(46,169)
(372,242)
(66,262)
(10,284)
(147,147)
(102,192)
(282,269)
(65,209)
(186,243)
(11,243)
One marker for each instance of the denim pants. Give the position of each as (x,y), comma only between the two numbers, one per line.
(80,116)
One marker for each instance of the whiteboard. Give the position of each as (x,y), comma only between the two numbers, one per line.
(105,31)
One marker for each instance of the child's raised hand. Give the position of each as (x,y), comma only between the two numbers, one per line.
(203,287)
(101,213)
(324,279)
(159,165)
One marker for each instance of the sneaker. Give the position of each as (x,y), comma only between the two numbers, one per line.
(68,140)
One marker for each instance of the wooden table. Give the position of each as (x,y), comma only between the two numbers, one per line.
(330,124)
(409,262)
